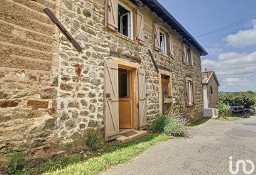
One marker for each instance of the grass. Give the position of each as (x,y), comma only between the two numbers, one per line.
(111,156)
(199,121)
(228,118)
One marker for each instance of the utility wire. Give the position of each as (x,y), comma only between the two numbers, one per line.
(229,26)
(238,73)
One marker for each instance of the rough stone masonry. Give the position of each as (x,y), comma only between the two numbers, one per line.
(50,93)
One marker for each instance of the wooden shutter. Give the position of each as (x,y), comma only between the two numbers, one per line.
(189,57)
(111,16)
(140,27)
(111,99)
(192,60)
(142,98)
(171,45)
(186,92)
(157,37)
(170,87)
(193,92)
(183,53)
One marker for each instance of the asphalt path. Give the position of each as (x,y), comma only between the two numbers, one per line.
(207,151)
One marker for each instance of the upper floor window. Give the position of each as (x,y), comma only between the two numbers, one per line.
(124,21)
(163,42)
(186,56)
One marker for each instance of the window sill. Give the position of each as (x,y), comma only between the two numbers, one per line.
(188,65)
(190,105)
(119,35)
(164,54)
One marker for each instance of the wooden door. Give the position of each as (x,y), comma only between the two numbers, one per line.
(125,99)
(166,94)
(142,98)
(111,99)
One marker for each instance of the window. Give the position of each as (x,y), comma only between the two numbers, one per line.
(189,92)
(123,80)
(124,21)
(187,59)
(211,89)
(163,42)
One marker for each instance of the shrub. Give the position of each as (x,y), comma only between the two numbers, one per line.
(172,126)
(94,139)
(17,163)
(224,110)
(175,127)
(158,124)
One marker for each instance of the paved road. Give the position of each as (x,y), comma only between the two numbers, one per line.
(205,152)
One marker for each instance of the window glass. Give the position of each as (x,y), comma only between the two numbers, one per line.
(123,81)
(124,21)
(163,42)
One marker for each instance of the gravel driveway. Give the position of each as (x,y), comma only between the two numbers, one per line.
(205,152)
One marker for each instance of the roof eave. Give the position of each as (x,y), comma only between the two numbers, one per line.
(175,24)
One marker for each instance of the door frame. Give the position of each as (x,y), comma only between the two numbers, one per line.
(166,73)
(134,88)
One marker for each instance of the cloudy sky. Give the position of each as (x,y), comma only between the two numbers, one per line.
(227,30)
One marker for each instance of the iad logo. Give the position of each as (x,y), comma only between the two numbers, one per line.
(242,163)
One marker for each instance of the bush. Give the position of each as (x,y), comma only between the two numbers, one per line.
(245,99)
(94,139)
(17,163)
(224,110)
(159,124)
(171,126)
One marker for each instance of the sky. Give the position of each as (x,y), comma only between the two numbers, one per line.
(231,52)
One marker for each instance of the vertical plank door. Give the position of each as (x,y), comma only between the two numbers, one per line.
(142,98)
(111,99)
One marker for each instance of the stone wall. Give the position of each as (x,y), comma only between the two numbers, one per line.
(28,75)
(51,93)
(82,74)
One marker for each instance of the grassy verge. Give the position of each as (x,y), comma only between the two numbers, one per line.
(111,156)
(228,118)
(199,121)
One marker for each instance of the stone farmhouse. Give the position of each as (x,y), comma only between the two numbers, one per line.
(69,65)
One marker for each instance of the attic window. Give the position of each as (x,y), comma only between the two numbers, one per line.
(124,21)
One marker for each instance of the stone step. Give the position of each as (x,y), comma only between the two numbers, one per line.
(131,135)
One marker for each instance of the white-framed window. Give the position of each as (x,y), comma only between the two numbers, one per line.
(163,42)
(189,92)
(125,21)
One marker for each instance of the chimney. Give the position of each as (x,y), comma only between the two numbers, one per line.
(205,69)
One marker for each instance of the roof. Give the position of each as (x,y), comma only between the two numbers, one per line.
(156,7)
(210,74)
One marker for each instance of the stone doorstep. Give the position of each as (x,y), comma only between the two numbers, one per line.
(131,135)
